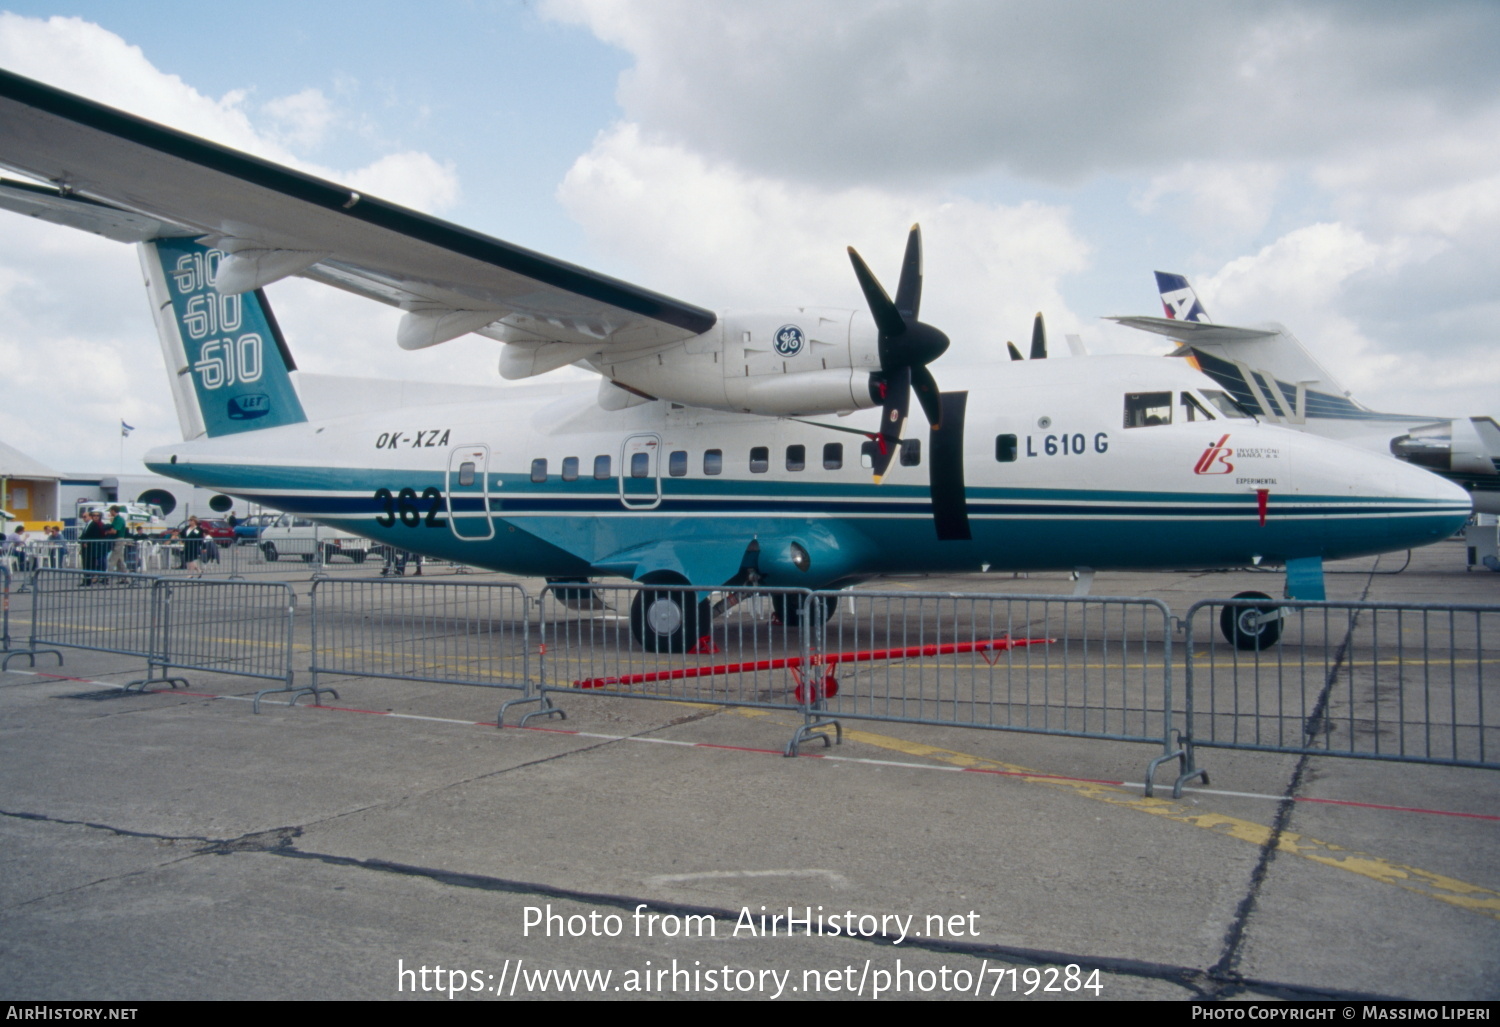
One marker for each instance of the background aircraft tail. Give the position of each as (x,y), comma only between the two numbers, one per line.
(1179,299)
(229,364)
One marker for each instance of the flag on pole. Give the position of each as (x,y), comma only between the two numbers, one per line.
(125,429)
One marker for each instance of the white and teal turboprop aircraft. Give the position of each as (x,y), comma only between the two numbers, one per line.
(704,457)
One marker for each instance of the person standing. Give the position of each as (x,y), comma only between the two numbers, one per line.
(95,545)
(192,544)
(117,531)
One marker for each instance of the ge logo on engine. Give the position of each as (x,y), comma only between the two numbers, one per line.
(789,340)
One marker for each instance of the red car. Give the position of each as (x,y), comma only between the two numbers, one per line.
(219,531)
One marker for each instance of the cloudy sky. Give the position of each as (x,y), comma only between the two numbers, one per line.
(1330,164)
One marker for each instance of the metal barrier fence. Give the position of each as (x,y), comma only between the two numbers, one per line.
(727,647)
(243,628)
(1084,667)
(100,611)
(1371,680)
(225,627)
(440,631)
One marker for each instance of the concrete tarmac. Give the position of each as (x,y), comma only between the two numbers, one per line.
(174,845)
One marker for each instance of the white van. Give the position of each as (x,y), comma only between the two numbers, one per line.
(290,535)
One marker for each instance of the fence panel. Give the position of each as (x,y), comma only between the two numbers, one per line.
(94,610)
(243,628)
(729,646)
(1081,666)
(441,631)
(1409,682)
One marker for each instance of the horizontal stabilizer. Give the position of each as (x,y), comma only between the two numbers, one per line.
(1193,332)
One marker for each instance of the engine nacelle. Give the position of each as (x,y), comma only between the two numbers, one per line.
(1449,447)
(811,361)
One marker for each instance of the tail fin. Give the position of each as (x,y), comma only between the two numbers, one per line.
(229,362)
(1179,299)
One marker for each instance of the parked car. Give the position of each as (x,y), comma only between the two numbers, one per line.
(297,536)
(219,531)
(248,530)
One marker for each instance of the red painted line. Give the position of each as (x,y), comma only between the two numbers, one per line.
(1400,809)
(735,748)
(65,677)
(1040,777)
(993,645)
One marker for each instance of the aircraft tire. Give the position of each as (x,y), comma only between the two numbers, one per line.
(269,552)
(1243,636)
(668,620)
(789,610)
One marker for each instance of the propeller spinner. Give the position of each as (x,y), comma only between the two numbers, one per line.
(906,346)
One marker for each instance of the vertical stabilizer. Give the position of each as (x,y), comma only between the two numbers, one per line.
(229,364)
(1179,299)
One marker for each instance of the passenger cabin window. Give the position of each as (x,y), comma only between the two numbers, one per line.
(677,463)
(1005,449)
(570,468)
(1192,410)
(466,473)
(640,465)
(601,467)
(833,456)
(1224,403)
(1147,409)
(760,460)
(796,458)
(539,470)
(713,461)
(911,452)
(867,452)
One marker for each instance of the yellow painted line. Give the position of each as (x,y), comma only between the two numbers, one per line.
(1472,897)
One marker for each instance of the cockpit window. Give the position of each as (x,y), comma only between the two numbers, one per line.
(1147,409)
(1192,410)
(1227,406)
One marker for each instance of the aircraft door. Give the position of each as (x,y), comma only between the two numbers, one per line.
(640,472)
(468,493)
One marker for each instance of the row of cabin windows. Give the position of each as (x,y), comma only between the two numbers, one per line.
(910,455)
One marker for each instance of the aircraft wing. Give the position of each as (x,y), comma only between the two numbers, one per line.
(131,179)
(1192,332)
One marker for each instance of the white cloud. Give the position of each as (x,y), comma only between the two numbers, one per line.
(1223,198)
(905,88)
(302,119)
(722,237)
(1304,280)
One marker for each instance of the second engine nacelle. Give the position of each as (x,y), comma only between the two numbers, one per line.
(811,361)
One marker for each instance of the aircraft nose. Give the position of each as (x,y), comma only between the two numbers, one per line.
(1375,503)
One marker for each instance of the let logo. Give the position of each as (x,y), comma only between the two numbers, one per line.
(1215,459)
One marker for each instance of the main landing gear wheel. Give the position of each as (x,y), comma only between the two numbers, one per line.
(791,612)
(668,620)
(1244,628)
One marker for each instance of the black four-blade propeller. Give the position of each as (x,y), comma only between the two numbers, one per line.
(906,347)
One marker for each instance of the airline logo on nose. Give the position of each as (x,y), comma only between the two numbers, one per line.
(1215,459)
